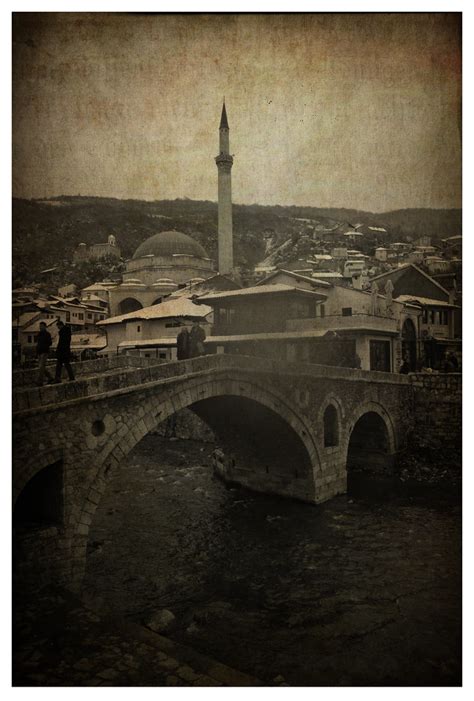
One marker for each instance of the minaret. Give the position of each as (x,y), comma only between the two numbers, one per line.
(224,163)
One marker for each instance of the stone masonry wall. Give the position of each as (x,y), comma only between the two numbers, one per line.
(437,409)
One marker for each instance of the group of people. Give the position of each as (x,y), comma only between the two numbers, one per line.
(63,353)
(190,344)
(449,363)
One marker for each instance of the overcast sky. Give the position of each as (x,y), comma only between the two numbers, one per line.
(359,111)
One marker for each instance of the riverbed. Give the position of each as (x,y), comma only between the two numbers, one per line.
(359,590)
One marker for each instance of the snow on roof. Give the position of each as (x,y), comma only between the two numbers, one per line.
(35,326)
(149,342)
(25,318)
(328,273)
(170,308)
(428,301)
(294,274)
(92,298)
(91,340)
(259,290)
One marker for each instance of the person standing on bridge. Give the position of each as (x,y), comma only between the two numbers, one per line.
(196,340)
(182,343)
(43,344)
(63,352)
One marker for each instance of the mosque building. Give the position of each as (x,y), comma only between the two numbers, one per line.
(169,260)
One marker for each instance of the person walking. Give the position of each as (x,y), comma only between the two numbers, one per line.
(182,343)
(196,340)
(63,352)
(43,344)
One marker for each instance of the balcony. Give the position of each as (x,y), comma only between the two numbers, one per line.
(356,322)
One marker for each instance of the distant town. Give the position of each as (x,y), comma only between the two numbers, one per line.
(325,282)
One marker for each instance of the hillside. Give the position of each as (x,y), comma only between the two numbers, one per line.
(46,232)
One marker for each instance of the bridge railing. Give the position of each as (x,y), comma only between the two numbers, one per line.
(28,377)
(101,381)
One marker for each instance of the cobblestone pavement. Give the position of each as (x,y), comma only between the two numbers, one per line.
(59,642)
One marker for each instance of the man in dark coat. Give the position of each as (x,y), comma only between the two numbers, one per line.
(43,344)
(182,343)
(196,340)
(63,352)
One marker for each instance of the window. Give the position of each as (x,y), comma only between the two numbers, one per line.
(299,310)
(380,356)
(346,311)
(89,316)
(425,316)
(139,329)
(81,316)
(162,355)
(30,339)
(322,311)
(331,437)
(172,324)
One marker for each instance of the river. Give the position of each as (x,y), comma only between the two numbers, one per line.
(355,591)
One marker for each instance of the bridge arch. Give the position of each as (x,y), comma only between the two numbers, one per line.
(371,442)
(32,467)
(156,407)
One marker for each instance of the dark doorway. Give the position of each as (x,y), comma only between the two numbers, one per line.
(129,305)
(409,344)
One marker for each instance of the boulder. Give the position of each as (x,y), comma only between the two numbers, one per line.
(161,621)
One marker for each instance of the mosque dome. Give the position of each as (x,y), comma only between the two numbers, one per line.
(169,243)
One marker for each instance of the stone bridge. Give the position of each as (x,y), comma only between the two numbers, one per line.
(286,429)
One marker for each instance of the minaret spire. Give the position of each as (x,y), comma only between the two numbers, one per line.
(224,123)
(224,162)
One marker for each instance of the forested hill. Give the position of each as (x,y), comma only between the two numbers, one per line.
(46,232)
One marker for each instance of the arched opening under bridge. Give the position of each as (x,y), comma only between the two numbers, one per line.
(160,491)
(370,453)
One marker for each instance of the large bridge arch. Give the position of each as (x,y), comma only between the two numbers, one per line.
(155,407)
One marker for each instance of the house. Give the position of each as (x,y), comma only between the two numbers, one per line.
(86,346)
(318,323)
(371,329)
(440,323)
(152,331)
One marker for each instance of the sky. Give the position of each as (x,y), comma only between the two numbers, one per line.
(328,110)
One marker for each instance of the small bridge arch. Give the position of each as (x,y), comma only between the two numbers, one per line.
(371,441)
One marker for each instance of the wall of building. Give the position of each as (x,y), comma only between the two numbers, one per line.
(179,268)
